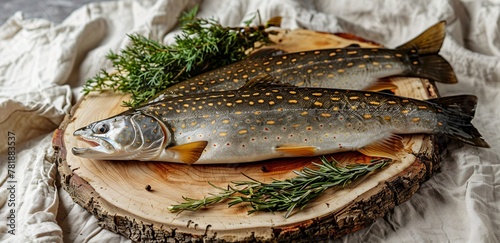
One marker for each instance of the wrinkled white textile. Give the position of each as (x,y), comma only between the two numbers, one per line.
(42,66)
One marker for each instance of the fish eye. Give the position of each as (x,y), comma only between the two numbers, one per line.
(102,128)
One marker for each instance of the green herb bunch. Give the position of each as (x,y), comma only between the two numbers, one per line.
(286,195)
(146,67)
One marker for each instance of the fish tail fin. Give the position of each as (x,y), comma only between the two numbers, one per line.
(458,112)
(423,52)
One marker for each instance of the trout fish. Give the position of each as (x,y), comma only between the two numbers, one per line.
(343,68)
(265,120)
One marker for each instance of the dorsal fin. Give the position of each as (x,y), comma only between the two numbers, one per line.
(265,52)
(263,80)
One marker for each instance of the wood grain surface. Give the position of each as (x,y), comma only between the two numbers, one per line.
(115,191)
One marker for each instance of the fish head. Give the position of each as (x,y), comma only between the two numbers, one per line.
(123,137)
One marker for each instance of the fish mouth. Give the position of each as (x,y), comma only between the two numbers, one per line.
(98,145)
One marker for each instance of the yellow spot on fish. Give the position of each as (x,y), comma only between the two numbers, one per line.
(440,123)
(245,76)
(317,94)
(317,52)
(253,70)
(292,92)
(206,116)
(257,112)
(284,57)
(238,112)
(279,97)
(405,111)
(367,116)
(212,122)
(366,56)
(271,102)
(295,125)
(340,59)
(302,53)
(236,80)
(275,91)
(251,103)
(415,63)
(245,95)
(354,98)
(194,123)
(229,104)
(260,101)
(388,66)
(279,62)
(163,105)
(335,108)
(271,122)
(398,55)
(340,70)
(223,134)
(292,101)
(405,101)
(293,60)
(415,119)
(387,118)
(374,103)
(300,66)
(330,75)
(354,107)
(225,121)
(183,125)
(317,103)
(265,63)
(304,113)
(332,54)
(326,115)
(391,102)
(306,98)
(422,107)
(240,70)
(335,98)
(375,63)
(387,56)
(268,69)
(350,64)
(309,71)
(361,66)
(256,94)
(243,131)
(238,101)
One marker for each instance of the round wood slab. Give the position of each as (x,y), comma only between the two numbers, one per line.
(115,191)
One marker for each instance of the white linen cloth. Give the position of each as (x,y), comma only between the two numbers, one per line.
(43,65)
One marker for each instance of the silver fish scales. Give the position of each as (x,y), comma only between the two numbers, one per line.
(263,121)
(344,68)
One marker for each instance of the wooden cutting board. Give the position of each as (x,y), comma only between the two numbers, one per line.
(115,191)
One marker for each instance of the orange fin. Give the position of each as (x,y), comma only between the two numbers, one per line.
(189,153)
(296,150)
(387,148)
(381,84)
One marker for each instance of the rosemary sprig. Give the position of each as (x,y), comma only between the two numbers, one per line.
(146,67)
(287,195)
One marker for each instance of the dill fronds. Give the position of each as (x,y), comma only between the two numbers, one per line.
(147,67)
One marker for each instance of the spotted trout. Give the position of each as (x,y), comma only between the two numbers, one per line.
(263,121)
(343,68)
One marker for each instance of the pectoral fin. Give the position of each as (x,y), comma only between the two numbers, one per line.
(381,84)
(296,150)
(387,148)
(189,153)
